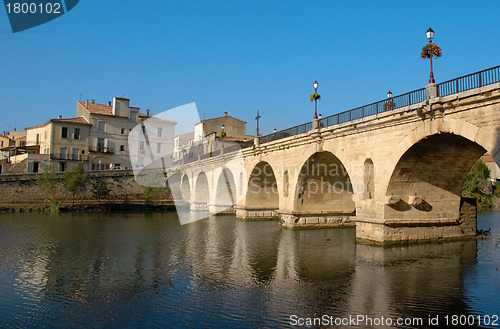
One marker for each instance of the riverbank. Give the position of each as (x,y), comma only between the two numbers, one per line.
(104,191)
(87,206)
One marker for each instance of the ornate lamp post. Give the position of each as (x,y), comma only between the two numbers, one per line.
(430,36)
(315,85)
(389,94)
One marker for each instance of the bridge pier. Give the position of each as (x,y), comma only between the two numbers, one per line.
(256,214)
(407,230)
(321,220)
(199,206)
(221,209)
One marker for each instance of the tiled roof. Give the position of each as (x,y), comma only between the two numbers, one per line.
(80,120)
(487,158)
(95,108)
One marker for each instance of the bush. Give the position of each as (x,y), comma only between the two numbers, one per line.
(476,185)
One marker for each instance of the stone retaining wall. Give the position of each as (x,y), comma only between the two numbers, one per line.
(23,191)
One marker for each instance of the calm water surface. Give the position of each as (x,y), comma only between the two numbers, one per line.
(148,271)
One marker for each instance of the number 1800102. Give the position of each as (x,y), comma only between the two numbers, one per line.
(33,8)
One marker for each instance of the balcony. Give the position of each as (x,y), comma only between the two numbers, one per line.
(69,157)
(102,149)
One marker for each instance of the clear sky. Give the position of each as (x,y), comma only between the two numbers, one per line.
(241,55)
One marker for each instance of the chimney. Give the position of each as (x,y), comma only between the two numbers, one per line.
(59,117)
(225,114)
(109,103)
(147,112)
(87,104)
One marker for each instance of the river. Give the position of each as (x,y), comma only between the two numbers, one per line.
(145,270)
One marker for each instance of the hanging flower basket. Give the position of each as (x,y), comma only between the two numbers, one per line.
(389,106)
(431,49)
(314,96)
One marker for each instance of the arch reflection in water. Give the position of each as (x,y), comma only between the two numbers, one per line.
(147,270)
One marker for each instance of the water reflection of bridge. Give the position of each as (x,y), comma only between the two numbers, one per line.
(224,266)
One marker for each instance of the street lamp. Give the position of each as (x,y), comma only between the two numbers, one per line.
(430,36)
(315,85)
(389,94)
(320,116)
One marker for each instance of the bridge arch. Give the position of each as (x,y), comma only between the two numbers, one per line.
(185,188)
(225,191)
(262,190)
(428,168)
(201,191)
(324,186)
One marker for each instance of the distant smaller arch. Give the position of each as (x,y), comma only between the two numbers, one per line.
(185,188)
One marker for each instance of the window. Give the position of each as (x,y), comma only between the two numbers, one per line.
(36,165)
(1,144)
(45,134)
(158,148)
(63,153)
(62,166)
(122,148)
(159,132)
(74,155)
(22,143)
(101,126)
(76,133)
(123,131)
(118,165)
(37,140)
(132,116)
(100,145)
(64,132)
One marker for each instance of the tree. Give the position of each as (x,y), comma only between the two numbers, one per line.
(75,180)
(476,185)
(47,184)
(100,189)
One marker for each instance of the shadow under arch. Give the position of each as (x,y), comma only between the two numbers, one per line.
(262,190)
(428,178)
(324,187)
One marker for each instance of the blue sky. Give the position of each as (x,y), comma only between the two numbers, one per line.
(241,55)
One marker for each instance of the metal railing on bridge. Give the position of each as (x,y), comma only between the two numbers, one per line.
(469,82)
(455,86)
(385,105)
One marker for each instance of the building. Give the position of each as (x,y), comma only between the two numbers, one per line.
(492,166)
(64,142)
(110,128)
(225,125)
(181,145)
(98,135)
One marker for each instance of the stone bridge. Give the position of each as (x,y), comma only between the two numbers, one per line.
(396,175)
